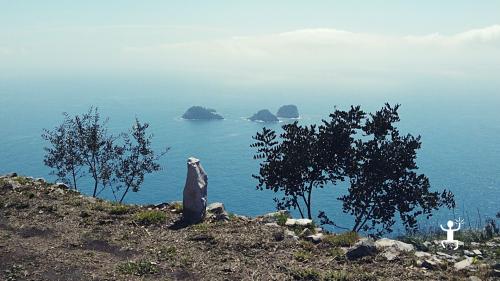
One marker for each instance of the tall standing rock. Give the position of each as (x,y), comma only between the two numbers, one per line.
(195,192)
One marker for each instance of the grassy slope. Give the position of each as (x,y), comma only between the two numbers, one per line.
(47,233)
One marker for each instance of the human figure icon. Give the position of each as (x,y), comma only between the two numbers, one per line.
(449,234)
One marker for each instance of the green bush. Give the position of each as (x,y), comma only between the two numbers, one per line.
(302,256)
(118,209)
(150,217)
(345,239)
(340,275)
(139,268)
(281,218)
(306,274)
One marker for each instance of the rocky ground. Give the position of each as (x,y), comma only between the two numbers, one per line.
(48,232)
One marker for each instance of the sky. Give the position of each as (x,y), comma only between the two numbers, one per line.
(354,43)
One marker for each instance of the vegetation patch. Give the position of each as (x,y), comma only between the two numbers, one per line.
(309,274)
(345,239)
(118,209)
(281,218)
(138,268)
(302,256)
(150,217)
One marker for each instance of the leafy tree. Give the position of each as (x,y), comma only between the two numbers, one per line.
(383,178)
(368,151)
(64,155)
(291,166)
(135,159)
(84,141)
(96,147)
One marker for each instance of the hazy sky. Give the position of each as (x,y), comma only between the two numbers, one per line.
(254,42)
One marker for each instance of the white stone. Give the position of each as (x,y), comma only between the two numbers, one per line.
(463,264)
(477,252)
(389,243)
(315,238)
(194,200)
(299,222)
(216,208)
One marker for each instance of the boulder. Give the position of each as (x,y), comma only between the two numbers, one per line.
(11,175)
(264,116)
(201,113)
(390,254)
(385,243)
(464,264)
(298,222)
(194,200)
(288,111)
(364,247)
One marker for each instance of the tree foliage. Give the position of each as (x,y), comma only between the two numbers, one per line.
(135,159)
(64,156)
(83,141)
(367,151)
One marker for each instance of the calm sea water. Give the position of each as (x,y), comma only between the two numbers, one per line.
(460,133)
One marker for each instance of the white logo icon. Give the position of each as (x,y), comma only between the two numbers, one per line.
(449,233)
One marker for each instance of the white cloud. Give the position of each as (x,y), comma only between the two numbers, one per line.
(326,54)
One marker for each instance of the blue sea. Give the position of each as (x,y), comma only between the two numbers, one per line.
(459,125)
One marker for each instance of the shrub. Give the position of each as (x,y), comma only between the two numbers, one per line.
(338,275)
(281,218)
(345,239)
(138,268)
(152,217)
(302,256)
(118,209)
(309,274)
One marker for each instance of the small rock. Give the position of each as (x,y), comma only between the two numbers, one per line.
(40,180)
(474,278)
(475,244)
(306,232)
(11,175)
(430,264)
(464,264)
(299,222)
(427,244)
(61,185)
(216,208)
(272,224)
(315,238)
(318,229)
(420,254)
(364,247)
(291,234)
(477,252)
(390,254)
(468,253)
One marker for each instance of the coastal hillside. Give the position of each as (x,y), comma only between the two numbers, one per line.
(49,232)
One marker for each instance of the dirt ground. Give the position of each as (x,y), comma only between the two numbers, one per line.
(49,233)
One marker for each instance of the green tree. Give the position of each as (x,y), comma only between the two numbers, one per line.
(63,154)
(384,179)
(135,159)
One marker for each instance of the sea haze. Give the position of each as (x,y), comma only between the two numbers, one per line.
(460,131)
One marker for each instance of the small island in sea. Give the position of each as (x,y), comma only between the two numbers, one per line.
(264,115)
(288,111)
(201,113)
